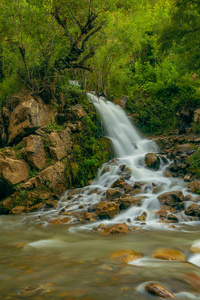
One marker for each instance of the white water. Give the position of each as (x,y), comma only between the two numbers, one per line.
(130,149)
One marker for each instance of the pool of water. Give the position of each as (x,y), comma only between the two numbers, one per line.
(71,264)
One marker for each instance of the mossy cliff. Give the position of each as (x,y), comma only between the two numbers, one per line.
(46,148)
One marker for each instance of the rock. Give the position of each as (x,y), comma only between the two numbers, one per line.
(76,112)
(172,218)
(126,255)
(61,144)
(171,198)
(117,229)
(168,254)
(12,172)
(30,291)
(18,210)
(34,152)
(188,197)
(193,210)
(55,177)
(162,213)
(107,210)
(26,118)
(61,221)
(90,216)
(142,218)
(156,289)
(187,178)
(112,194)
(197,115)
(167,174)
(194,186)
(184,147)
(120,182)
(152,161)
(125,203)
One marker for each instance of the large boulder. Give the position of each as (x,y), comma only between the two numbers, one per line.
(171,198)
(126,202)
(54,176)
(61,144)
(117,229)
(76,112)
(152,161)
(26,118)
(193,210)
(12,172)
(34,152)
(168,254)
(107,210)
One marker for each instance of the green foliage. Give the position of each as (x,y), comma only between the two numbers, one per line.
(33,172)
(53,127)
(194,163)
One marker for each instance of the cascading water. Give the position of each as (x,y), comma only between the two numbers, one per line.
(130,149)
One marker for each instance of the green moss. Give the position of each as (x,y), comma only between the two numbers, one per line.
(194,163)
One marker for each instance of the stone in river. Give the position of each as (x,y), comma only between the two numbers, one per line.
(156,289)
(30,291)
(107,210)
(168,254)
(192,279)
(117,229)
(126,255)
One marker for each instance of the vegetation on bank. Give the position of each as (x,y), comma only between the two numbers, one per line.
(147,50)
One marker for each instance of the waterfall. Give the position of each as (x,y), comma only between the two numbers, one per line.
(130,148)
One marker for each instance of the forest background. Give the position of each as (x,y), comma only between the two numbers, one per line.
(146,50)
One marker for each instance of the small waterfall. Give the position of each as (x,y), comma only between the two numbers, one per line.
(130,149)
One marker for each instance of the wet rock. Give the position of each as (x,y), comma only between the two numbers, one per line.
(162,213)
(125,203)
(172,218)
(126,255)
(120,182)
(18,210)
(34,152)
(112,194)
(188,197)
(187,178)
(167,174)
(143,217)
(184,147)
(194,186)
(61,221)
(152,161)
(171,198)
(30,291)
(168,254)
(156,289)
(193,210)
(107,210)
(26,118)
(117,229)
(93,191)
(90,216)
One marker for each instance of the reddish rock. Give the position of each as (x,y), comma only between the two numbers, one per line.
(143,217)
(126,255)
(107,210)
(158,290)
(168,254)
(152,161)
(193,210)
(194,186)
(171,198)
(18,210)
(112,194)
(117,229)
(125,203)
(61,221)
(120,182)
(90,216)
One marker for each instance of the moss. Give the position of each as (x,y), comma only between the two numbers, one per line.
(194,163)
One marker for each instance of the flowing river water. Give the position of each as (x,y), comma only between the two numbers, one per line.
(72,261)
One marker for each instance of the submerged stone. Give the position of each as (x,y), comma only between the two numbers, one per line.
(126,255)
(168,254)
(117,229)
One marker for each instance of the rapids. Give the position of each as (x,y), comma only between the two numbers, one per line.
(72,261)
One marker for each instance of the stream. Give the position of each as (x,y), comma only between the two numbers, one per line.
(39,260)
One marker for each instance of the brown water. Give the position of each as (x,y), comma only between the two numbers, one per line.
(77,265)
